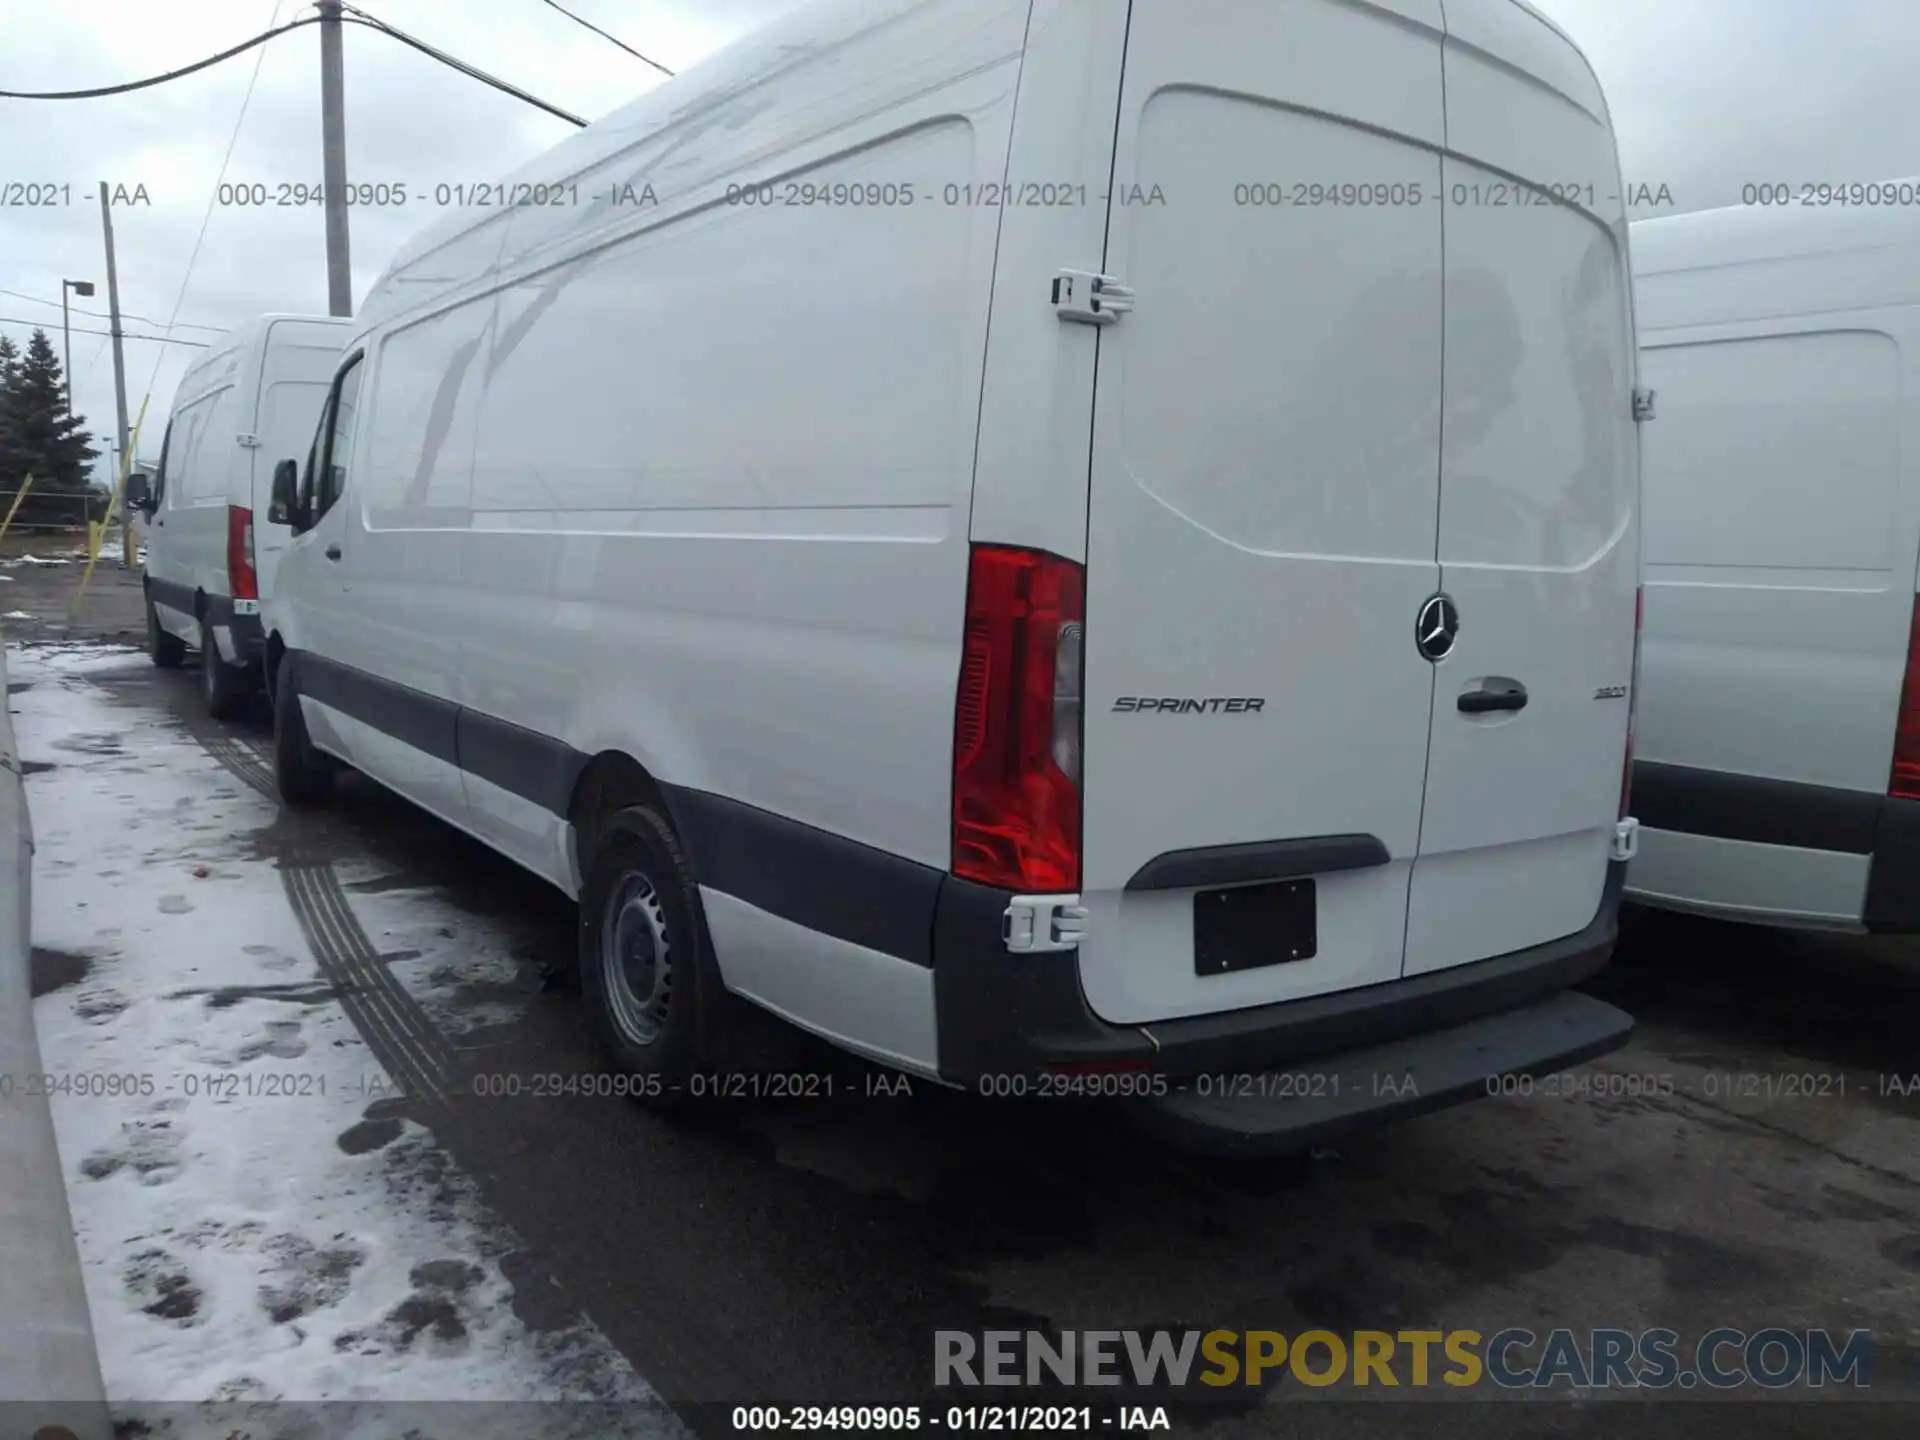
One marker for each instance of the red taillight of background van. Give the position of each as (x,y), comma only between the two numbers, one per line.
(1016,741)
(241,580)
(1905,781)
(1633,703)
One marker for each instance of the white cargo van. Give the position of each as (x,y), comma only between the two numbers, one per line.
(211,554)
(1779,753)
(1062,546)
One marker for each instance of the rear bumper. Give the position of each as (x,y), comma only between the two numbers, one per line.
(1795,852)
(1262,1114)
(247,638)
(1025,1016)
(244,636)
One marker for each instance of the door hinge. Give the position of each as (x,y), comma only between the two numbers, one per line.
(1043,922)
(1089,299)
(250,442)
(1643,404)
(1626,839)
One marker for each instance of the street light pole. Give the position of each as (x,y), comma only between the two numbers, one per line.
(81,288)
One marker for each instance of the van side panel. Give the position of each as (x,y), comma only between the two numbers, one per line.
(745,566)
(1779,586)
(1782,527)
(405,530)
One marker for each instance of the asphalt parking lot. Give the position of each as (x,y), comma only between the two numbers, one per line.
(1750,1160)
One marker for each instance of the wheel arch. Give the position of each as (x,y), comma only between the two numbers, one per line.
(609,781)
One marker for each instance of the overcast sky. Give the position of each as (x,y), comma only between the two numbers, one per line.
(1707,95)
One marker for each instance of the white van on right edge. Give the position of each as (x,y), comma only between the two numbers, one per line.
(1069,548)
(1778,734)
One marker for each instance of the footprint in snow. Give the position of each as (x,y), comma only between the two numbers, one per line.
(282,1040)
(149,1148)
(97,1007)
(303,1277)
(162,1287)
(175,905)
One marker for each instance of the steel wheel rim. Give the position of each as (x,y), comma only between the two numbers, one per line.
(636,959)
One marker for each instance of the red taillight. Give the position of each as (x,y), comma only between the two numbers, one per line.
(1633,704)
(1016,737)
(240,577)
(1905,781)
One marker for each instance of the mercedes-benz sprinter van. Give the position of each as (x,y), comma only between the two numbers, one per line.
(1779,762)
(211,553)
(1066,547)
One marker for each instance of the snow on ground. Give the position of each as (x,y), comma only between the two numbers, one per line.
(250,1231)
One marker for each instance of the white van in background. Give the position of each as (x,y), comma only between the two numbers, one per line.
(931,530)
(1778,772)
(211,554)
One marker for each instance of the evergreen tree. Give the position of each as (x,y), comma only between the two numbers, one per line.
(39,437)
(11,461)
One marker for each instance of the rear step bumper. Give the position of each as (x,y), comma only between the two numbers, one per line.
(248,635)
(1268,1114)
(1025,1015)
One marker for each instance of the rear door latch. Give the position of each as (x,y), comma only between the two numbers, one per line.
(1089,299)
(1643,404)
(1043,922)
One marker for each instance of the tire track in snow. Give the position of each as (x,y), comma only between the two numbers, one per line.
(390,1020)
(413,1052)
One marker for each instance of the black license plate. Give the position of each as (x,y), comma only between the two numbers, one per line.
(1253,925)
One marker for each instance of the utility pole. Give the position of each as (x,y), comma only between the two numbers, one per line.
(333,145)
(119,371)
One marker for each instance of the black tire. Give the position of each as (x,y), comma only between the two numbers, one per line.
(226,688)
(164,648)
(305,775)
(646,964)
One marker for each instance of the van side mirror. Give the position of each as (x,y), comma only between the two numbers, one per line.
(283,507)
(140,492)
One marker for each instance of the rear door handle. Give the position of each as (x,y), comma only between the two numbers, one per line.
(1496,692)
(333,553)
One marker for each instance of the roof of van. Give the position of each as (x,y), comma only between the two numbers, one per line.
(701,97)
(1743,234)
(248,333)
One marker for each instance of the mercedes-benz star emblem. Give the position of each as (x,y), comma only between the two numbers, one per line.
(1434,631)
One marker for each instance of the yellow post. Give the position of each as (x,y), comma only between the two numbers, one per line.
(94,536)
(25,485)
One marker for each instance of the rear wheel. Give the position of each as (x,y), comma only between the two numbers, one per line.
(224,686)
(646,966)
(165,648)
(305,775)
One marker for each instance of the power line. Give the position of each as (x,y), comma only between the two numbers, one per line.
(358,17)
(102,315)
(84,330)
(605,36)
(212,199)
(103,90)
(355,16)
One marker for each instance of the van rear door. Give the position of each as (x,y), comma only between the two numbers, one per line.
(1539,488)
(1263,500)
